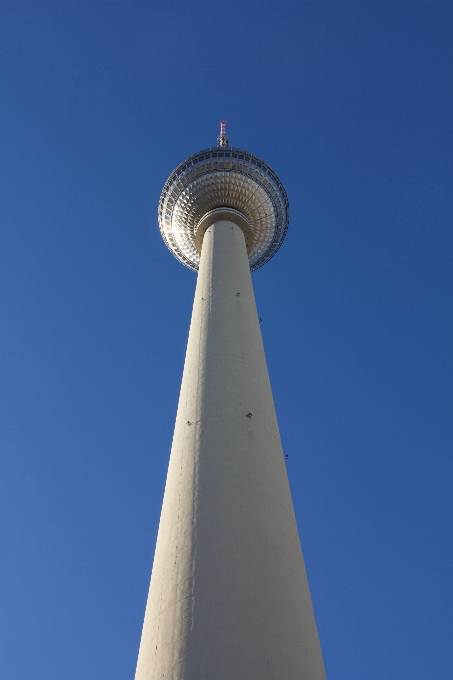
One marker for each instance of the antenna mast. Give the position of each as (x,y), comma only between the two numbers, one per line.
(222,139)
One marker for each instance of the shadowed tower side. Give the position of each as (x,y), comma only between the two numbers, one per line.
(229,596)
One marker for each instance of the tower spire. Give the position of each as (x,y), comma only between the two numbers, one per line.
(222,139)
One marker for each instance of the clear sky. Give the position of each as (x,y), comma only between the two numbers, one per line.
(351,104)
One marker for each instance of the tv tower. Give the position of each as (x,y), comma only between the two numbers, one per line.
(229,597)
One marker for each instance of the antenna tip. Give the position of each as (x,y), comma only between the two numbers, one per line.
(222,139)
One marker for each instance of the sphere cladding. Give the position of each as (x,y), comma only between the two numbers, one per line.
(223,177)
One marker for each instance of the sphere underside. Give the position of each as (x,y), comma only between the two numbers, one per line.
(223,177)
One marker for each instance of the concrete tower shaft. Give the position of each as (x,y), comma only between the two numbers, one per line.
(229,598)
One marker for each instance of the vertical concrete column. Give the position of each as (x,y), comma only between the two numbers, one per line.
(229,598)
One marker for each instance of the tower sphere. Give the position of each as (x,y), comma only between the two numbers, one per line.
(217,181)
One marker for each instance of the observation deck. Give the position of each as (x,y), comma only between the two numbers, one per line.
(223,178)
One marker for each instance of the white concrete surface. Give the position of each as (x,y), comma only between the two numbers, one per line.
(229,597)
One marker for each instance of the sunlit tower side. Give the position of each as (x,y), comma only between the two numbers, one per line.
(229,597)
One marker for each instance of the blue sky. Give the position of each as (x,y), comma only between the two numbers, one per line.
(351,104)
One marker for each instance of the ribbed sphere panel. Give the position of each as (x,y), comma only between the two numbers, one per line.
(216,178)
(229,598)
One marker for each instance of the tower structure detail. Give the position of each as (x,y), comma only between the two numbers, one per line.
(216,177)
(229,597)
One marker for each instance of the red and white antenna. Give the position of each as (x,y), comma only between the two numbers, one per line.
(222,139)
